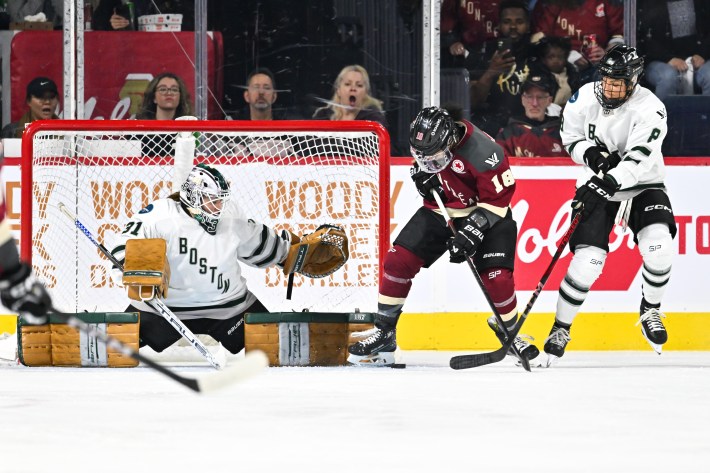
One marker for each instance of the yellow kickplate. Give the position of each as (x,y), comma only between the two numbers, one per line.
(590,331)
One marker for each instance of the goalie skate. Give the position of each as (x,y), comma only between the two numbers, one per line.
(376,350)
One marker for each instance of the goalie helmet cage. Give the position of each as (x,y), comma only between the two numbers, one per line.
(286,174)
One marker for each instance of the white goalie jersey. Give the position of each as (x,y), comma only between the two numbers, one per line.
(636,130)
(206,278)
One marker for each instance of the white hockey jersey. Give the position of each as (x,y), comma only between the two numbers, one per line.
(636,130)
(206,278)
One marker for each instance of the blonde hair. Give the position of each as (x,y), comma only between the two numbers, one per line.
(368,102)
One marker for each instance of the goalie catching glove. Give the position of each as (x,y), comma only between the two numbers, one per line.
(318,254)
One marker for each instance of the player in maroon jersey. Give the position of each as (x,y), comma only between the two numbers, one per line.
(470,172)
(19,290)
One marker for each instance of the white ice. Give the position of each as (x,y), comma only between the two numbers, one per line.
(594,412)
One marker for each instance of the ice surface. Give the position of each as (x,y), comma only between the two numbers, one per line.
(593,412)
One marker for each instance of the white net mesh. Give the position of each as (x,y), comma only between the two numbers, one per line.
(297,180)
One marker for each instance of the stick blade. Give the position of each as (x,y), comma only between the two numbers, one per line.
(252,364)
(462,362)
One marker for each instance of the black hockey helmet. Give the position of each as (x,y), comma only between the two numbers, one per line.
(431,136)
(620,62)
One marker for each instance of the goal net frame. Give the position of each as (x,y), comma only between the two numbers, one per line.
(36,222)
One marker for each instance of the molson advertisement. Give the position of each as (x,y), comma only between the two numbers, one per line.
(114,76)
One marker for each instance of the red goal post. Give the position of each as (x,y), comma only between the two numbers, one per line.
(285,174)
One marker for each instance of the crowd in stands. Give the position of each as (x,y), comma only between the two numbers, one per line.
(520,54)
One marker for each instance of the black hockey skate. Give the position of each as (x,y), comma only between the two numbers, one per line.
(526,349)
(652,327)
(377,349)
(555,344)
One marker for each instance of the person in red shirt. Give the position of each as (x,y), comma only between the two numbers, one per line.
(465,26)
(535,133)
(593,26)
(471,174)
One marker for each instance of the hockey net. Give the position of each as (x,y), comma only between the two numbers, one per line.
(286,174)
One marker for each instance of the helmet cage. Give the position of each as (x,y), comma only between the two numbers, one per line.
(622,63)
(432,163)
(431,136)
(204,194)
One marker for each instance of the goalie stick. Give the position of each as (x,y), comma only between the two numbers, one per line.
(509,339)
(479,359)
(253,362)
(156,303)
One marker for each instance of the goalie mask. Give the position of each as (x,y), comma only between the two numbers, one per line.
(204,194)
(431,136)
(620,69)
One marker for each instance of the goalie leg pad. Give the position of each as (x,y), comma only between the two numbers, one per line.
(58,344)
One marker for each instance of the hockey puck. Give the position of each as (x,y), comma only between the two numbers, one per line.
(399,366)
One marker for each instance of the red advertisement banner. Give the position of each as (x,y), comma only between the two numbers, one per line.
(118,66)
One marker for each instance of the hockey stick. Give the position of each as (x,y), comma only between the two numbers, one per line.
(252,363)
(478,359)
(156,303)
(469,259)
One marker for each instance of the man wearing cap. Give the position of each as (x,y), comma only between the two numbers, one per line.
(42,99)
(536,133)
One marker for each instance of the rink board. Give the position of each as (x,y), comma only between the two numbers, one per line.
(591,331)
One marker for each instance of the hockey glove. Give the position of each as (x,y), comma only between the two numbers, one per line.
(600,160)
(468,238)
(594,193)
(22,293)
(425,182)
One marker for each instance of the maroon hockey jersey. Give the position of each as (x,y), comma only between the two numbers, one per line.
(525,137)
(605,18)
(471,22)
(478,174)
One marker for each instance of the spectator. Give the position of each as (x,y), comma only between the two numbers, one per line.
(495,92)
(351,98)
(552,54)
(260,94)
(465,27)
(42,99)
(52,9)
(165,98)
(535,133)
(675,38)
(592,25)
(115,14)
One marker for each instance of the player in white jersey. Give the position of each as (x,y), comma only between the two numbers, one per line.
(616,128)
(207,238)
